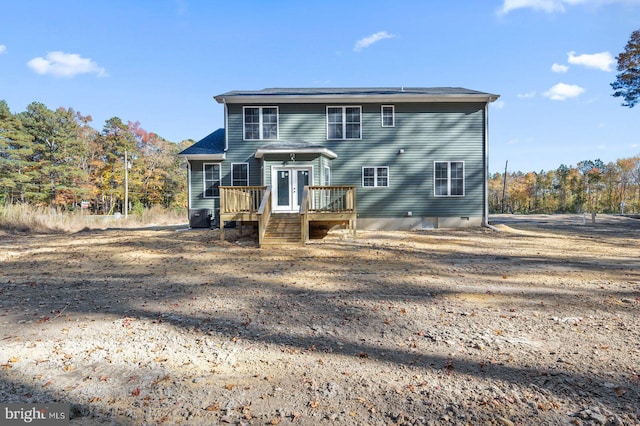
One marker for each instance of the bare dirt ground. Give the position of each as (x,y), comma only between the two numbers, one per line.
(535,324)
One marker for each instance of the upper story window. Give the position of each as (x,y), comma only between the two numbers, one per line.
(344,122)
(260,123)
(375,177)
(388,115)
(448,178)
(211,180)
(240,174)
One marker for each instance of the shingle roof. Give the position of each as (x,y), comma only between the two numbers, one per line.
(361,94)
(294,147)
(211,144)
(437,91)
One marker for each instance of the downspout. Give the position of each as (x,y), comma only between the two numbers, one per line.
(189,185)
(226,125)
(485,218)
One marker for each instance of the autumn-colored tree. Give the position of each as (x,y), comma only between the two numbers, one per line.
(592,186)
(495,185)
(116,139)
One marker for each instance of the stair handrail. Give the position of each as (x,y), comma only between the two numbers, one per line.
(304,215)
(264,214)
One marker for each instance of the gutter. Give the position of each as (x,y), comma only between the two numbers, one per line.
(485,213)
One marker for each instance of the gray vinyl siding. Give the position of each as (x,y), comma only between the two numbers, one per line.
(427,132)
(198,201)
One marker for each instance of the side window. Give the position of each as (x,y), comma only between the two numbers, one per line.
(448,178)
(211,180)
(388,116)
(240,174)
(374,177)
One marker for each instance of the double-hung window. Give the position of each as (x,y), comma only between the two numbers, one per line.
(240,174)
(344,122)
(448,178)
(260,123)
(388,116)
(211,180)
(373,177)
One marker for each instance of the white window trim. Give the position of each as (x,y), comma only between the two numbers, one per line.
(393,115)
(260,122)
(327,176)
(344,122)
(464,179)
(375,177)
(204,179)
(236,164)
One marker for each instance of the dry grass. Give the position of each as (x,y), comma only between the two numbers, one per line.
(23,218)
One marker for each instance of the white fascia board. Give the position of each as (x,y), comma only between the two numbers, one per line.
(323,151)
(259,99)
(201,157)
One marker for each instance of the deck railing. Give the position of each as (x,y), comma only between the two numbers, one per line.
(242,203)
(319,203)
(328,203)
(332,199)
(241,199)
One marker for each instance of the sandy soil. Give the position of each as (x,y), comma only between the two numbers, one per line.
(534,324)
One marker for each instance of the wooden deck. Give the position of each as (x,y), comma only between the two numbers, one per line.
(327,205)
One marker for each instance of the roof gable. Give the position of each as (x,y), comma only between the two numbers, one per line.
(211,146)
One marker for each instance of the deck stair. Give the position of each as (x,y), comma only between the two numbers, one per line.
(283,229)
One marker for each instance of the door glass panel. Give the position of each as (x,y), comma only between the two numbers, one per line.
(283,187)
(303,180)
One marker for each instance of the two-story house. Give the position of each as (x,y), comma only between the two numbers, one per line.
(413,158)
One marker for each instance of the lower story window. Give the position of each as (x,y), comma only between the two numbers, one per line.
(240,174)
(211,180)
(375,177)
(448,178)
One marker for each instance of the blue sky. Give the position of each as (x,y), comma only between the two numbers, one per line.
(160,62)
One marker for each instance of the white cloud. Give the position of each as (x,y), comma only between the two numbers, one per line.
(553,6)
(369,40)
(601,61)
(61,64)
(562,91)
(527,95)
(559,68)
(3,49)
(498,104)
(548,6)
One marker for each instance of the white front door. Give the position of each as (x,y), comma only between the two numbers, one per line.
(287,186)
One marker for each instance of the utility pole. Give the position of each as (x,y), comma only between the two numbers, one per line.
(126,185)
(504,185)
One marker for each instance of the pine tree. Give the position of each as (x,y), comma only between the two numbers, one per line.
(57,151)
(627,84)
(16,146)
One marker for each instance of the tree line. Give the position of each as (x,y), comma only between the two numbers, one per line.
(55,158)
(591,186)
